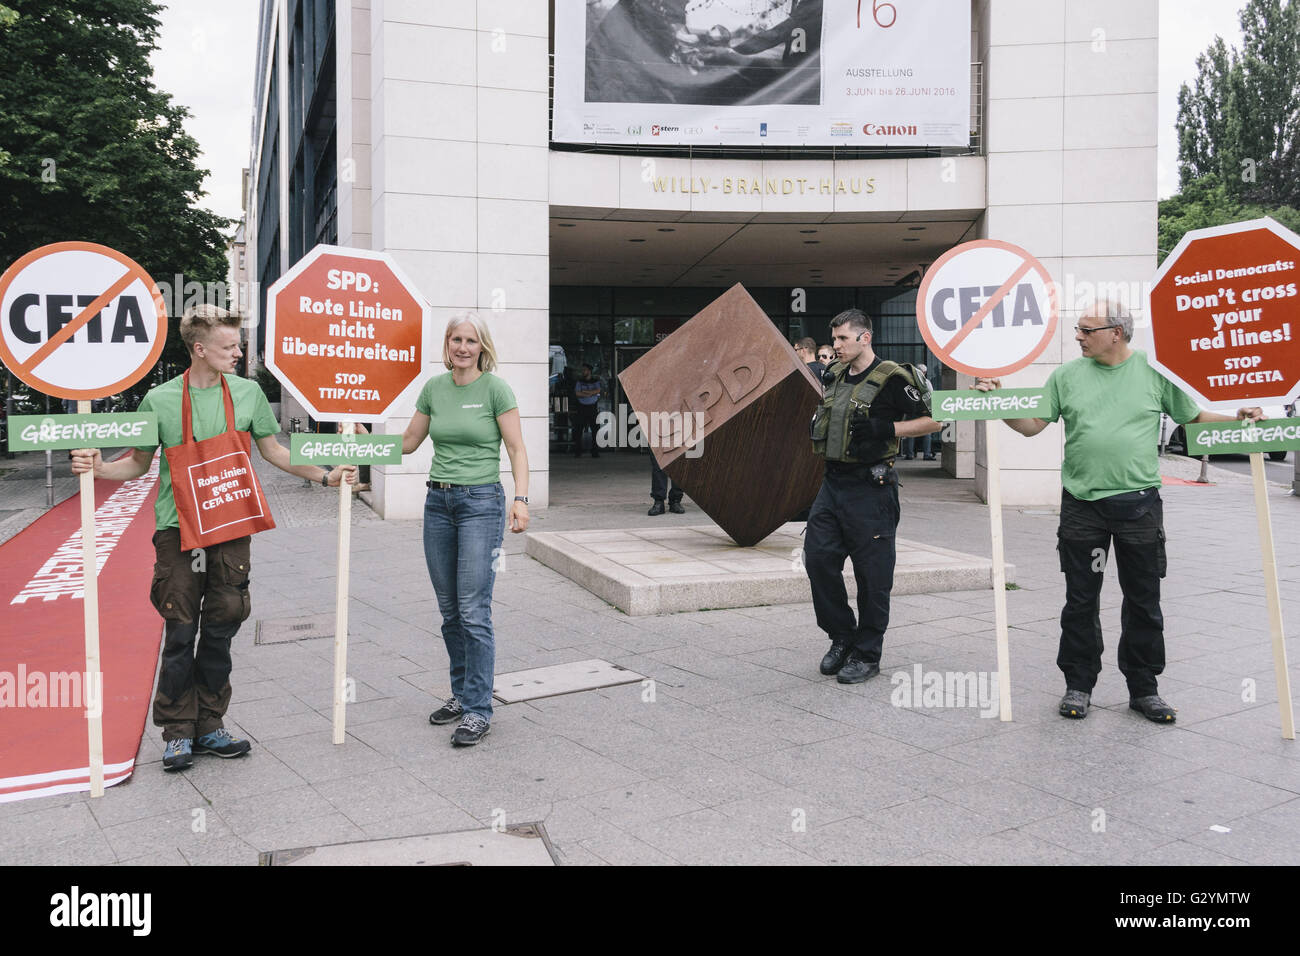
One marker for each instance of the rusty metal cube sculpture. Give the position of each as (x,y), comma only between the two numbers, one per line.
(725,402)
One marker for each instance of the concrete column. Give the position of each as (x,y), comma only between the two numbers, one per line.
(1071,151)
(459,194)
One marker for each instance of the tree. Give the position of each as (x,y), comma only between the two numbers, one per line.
(1240,122)
(1207,202)
(96,151)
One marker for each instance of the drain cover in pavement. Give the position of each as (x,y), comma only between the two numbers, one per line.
(560,679)
(524,844)
(283,630)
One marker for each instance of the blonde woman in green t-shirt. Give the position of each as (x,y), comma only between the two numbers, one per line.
(467,413)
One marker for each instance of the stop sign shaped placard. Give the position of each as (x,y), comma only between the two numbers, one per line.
(80,320)
(1225,315)
(346,333)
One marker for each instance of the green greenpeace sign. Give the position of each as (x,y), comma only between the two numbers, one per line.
(345,449)
(1243,438)
(48,432)
(973,405)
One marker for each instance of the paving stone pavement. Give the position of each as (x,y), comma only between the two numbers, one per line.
(740,751)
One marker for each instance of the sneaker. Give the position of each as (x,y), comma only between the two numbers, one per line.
(676,508)
(448,712)
(1152,707)
(1075,704)
(472,729)
(856,670)
(178,754)
(219,743)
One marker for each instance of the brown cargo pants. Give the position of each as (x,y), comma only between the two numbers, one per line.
(201,594)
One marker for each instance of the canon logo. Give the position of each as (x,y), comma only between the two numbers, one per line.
(871,129)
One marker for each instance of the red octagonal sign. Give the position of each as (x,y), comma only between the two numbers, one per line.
(346,334)
(1225,315)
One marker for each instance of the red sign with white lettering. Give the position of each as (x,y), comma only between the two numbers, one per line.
(346,334)
(1225,315)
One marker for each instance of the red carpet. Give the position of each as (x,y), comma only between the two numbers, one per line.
(43,688)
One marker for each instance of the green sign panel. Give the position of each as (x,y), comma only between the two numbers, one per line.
(972,404)
(48,432)
(1243,438)
(345,449)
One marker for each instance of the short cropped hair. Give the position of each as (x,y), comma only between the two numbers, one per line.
(1115,314)
(199,320)
(854,319)
(806,344)
(487,357)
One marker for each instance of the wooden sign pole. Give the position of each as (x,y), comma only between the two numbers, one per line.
(341,600)
(1272,595)
(999,569)
(90,606)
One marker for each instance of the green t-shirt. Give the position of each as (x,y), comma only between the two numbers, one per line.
(464,429)
(208,415)
(1112,423)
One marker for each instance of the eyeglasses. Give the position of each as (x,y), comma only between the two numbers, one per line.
(1082,331)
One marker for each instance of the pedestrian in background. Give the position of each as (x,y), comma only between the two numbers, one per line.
(587,392)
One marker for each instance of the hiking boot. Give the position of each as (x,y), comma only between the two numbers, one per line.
(1075,704)
(472,729)
(448,712)
(857,671)
(1152,707)
(657,508)
(219,743)
(676,508)
(178,754)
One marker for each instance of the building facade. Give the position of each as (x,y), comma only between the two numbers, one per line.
(423,129)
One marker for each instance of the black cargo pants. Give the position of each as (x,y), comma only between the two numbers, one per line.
(201,594)
(855,519)
(1135,522)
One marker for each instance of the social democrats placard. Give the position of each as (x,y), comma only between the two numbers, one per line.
(1243,438)
(974,405)
(50,432)
(345,449)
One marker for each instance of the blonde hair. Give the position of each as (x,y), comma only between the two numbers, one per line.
(199,320)
(487,357)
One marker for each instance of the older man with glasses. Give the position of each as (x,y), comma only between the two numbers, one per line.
(1110,400)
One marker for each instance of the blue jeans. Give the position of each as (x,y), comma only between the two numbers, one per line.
(463,529)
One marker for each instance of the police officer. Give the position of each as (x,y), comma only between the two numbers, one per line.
(856,428)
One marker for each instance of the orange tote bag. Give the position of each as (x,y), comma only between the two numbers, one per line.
(217,494)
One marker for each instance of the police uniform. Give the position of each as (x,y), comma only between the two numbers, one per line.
(856,511)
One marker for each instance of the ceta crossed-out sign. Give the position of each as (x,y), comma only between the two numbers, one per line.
(80,320)
(346,333)
(1225,315)
(987,307)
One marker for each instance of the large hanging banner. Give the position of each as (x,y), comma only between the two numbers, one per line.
(762,72)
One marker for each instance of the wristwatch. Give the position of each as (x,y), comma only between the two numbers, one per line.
(523,498)
(325,480)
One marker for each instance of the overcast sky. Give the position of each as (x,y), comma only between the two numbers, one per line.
(207,51)
(205,60)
